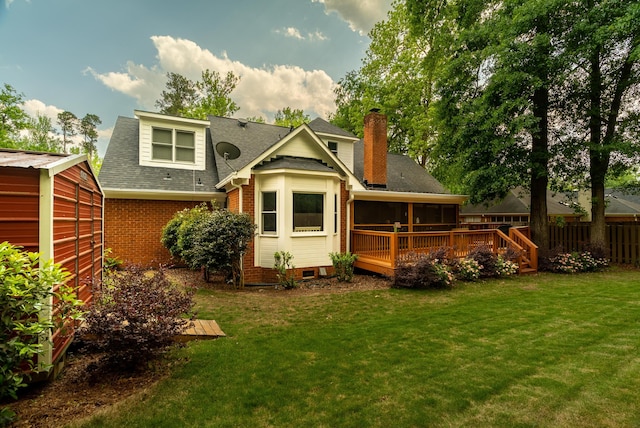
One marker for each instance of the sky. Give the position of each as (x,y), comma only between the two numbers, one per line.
(111,57)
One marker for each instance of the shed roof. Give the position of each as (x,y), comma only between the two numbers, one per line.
(28,159)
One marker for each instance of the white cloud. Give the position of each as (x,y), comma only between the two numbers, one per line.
(361,15)
(35,107)
(291,32)
(260,91)
(294,33)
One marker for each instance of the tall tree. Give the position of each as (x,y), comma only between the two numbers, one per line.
(208,96)
(604,48)
(88,130)
(397,76)
(68,125)
(13,118)
(180,94)
(291,117)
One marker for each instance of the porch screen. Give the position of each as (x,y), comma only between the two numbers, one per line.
(374,213)
(308,212)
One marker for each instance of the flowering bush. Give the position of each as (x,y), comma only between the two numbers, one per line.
(424,271)
(468,269)
(505,267)
(576,262)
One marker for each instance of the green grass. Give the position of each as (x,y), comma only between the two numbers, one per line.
(545,350)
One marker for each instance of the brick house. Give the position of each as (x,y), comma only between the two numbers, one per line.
(306,188)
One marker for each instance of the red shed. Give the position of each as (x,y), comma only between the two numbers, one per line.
(52,204)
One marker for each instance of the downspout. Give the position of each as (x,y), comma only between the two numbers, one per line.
(348,231)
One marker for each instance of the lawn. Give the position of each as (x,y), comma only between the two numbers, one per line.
(544,350)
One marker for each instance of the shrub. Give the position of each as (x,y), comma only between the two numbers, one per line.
(135,317)
(215,240)
(505,267)
(485,258)
(424,271)
(25,290)
(343,265)
(576,262)
(467,269)
(282,264)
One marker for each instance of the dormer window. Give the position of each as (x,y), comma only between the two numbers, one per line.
(333,146)
(173,145)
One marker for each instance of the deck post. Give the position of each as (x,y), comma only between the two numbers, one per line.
(393,247)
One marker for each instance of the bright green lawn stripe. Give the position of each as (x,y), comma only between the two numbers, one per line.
(534,351)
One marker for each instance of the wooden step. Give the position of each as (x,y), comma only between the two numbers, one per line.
(201,329)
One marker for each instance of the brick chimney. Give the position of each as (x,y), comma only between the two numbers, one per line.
(375,149)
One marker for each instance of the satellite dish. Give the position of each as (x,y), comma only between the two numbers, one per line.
(227,150)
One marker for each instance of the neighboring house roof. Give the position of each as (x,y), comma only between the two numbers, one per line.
(403,173)
(620,203)
(122,172)
(518,202)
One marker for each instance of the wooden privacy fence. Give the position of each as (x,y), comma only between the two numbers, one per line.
(623,239)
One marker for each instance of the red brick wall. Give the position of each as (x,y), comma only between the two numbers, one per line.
(251,272)
(233,200)
(133,228)
(375,148)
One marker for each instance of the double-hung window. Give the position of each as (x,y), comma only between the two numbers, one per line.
(269,213)
(173,145)
(308,212)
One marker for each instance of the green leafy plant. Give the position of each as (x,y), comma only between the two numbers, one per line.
(111,262)
(135,316)
(285,269)
(214,240)
(25,291)
(343,265)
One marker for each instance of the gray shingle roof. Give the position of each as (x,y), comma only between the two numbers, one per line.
(290,162)
(121,169)
(321,126)
(252,139)
(518,201)
(403,173)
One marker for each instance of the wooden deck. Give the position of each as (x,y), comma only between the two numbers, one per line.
(380,251)
(202,329)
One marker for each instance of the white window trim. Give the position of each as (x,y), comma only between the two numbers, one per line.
(278,209)
(174,146)
(300,233)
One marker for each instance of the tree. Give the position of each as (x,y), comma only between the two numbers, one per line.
(291,117)
(68,124)
(42,135)
(179,95)
(87,128)
(603,47)
(397,76)
(208,96)
(13,118)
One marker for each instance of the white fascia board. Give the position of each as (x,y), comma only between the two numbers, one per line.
(140,114)
(337,137)
(433,198)
(111,193)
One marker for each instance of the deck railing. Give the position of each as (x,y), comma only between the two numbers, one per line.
(380,251)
